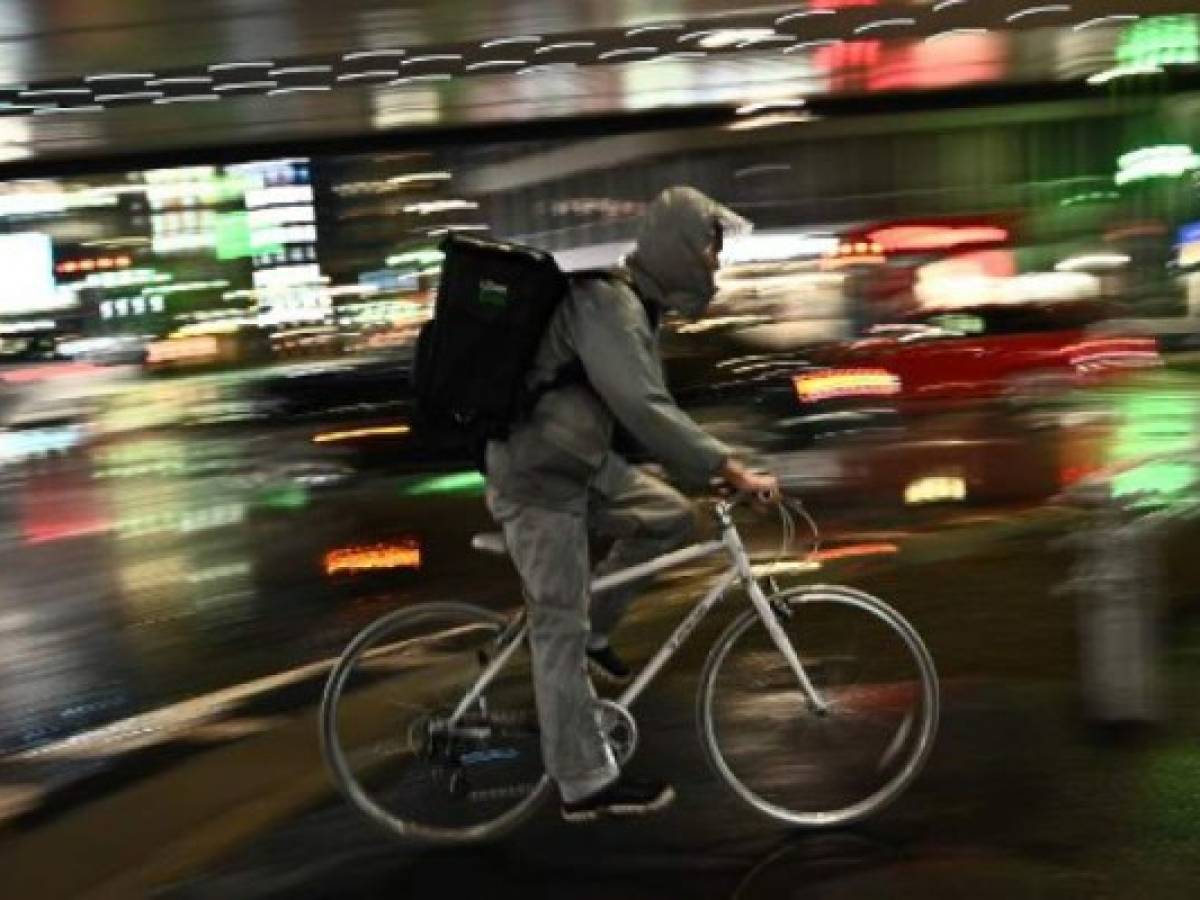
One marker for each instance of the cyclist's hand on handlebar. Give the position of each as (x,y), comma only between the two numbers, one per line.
(763,485)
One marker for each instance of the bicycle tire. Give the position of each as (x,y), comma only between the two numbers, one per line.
(431,629)
(768,717)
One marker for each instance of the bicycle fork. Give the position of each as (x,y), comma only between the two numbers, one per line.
(766,612)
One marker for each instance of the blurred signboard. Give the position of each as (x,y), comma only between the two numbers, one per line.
(1189,246)
(28,286)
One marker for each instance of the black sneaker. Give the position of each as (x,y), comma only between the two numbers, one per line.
(624,797)
(605,663)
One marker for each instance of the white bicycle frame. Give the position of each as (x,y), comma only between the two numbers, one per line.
(741,571)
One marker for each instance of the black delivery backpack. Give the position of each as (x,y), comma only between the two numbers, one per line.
(493,306)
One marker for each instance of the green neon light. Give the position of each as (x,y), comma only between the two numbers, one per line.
(455,483)
(233,235)
(417,258)
(1154,425)
(1155,480)
(1090,197)
(1160,41)
(289,497)
(1166,161)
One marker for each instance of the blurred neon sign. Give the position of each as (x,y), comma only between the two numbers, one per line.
(854,551)
(469,482)
(1164,161)
(48,371)
(1160,41)
(192,349)
(918,238)
(813,387)
(1189,245)
(936,489)
(405,555)
(334,437)
(97,264)
(854,253)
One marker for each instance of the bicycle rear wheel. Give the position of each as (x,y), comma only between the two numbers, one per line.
(792,764)
(392,747)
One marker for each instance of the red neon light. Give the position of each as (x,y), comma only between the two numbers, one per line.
(47,371)
(993,263)
(846,61)
(960,59)
(910,238)
(855,550)
(405,555)
(813,387)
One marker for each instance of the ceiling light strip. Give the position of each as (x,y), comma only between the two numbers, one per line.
(370,54)
(813,45)
(565,45)
(515,39)
(119,76)
(132,95)
(187,98)
(431,57)
(805,14)
(227,67)
(1107,20)
(300,70)
(246,86)
(627,51)
(898,22)
(494,64)
(370,73)
(954,32)
(1038,11)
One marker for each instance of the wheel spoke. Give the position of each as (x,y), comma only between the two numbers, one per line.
(386,731)
(793,764)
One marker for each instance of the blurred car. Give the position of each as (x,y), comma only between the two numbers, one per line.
(105,351)
(948,356)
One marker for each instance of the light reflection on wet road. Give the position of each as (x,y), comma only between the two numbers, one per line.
(160,558)
(154,556)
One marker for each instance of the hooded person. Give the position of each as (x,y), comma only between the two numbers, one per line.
(556,479)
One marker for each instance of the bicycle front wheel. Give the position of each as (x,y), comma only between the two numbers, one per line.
(798,766)
(394,747)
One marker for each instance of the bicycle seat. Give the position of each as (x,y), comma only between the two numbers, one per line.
(490,542)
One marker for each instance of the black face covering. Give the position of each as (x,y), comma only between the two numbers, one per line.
(718,237)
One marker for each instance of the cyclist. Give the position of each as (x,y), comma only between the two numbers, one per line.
(556,478)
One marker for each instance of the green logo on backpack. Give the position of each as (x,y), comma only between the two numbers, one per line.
(492,293)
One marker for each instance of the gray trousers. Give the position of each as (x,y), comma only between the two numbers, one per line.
(646,517)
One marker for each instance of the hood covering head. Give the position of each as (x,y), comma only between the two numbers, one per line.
(669,261)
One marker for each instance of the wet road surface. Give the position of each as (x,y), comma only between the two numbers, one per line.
(157,701)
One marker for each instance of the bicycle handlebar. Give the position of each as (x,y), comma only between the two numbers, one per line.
(735,499)
(788,508)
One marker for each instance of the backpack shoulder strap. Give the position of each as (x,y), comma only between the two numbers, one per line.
(573,372)
(622,276)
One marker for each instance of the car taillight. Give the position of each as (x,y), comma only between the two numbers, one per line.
(812,387)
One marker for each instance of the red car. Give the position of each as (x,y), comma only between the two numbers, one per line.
(976,353)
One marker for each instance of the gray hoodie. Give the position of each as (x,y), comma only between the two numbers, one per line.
(565,447)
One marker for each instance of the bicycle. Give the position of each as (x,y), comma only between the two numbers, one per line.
(428,725)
